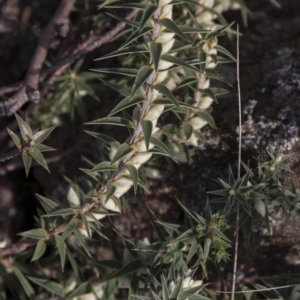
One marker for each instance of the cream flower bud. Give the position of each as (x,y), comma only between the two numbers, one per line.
(82,229)
(205,102)
(110,204)
(163,65)
(166,47)
(197,122)
(138,159)
(206,84)
(160,77)
(154,112)
(165,37)
(166,12)
(122,185)
(163,2)
(154,94)
(73,198)
(70,284)
(187,282)
(96,216)
(171,287)
(206,17)
(193,141)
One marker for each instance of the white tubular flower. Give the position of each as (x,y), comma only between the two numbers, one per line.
(122,185)
(163,65)
(154,95)
(154,112)
(70,284)
(165,37)
(139,159)
(206,84)
(197,122)
(171,287)
(189,282)
(160,76)
(73,198)
(111,205)
(96,216)
(205,102)
(166,47)
(82,229)
(192,141)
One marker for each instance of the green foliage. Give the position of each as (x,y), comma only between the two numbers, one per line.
(30,144)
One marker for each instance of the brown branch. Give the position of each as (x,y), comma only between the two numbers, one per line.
(29,89)
(9,155)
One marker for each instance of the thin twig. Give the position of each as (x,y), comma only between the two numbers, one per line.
(236,245)
(29,89)
(259,290)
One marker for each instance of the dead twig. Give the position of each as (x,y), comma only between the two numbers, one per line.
(29,88)
(236,244)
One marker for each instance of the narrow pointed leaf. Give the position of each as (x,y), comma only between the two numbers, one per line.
(174,294)
(224,51)
(122,151)
(135,35)
(148,12)
(27,162)
(43,148)
(189,234)
(119,71)
(103,167)
(188,130)
(39,233)
(51,286)
(84,288)
(40,136)
(37,155)
(141,77)
(82,241)
(171,25)
(39,250)
(71,226)
(207,117)
(105,138)
(62,249)
(125,103)
(15,137)
(113,121)
(128,269)
(177,61)
(48,204)
(159,144)
(119,88)
(128,50)
(134,176)
(24,128)
(210,93)
(62,212)
(187,81)
(166,92)
(147,130)
(110,191)
(25,283)
(155,49)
